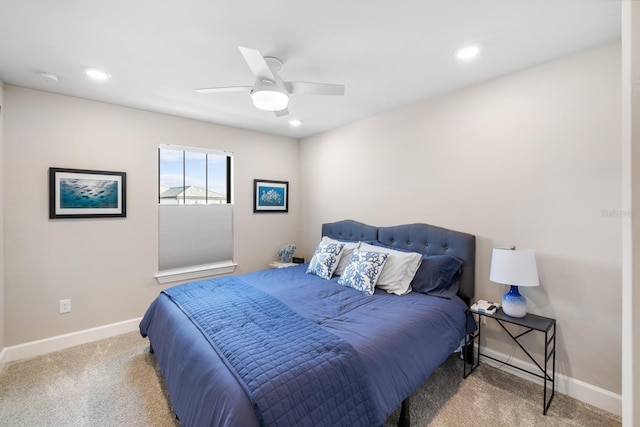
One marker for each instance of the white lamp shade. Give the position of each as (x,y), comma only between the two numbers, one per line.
(514,267)
(270,100)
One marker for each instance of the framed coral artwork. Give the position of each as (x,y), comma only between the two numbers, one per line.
(270,196)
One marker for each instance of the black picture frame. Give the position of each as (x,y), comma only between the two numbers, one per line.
(84,193)
(270,196)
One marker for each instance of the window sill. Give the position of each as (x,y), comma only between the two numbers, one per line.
(195,272)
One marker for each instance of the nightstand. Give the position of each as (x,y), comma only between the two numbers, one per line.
(531,323)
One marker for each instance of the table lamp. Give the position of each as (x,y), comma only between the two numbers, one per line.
(514,267)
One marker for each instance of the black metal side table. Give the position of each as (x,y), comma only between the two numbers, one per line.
(531,322)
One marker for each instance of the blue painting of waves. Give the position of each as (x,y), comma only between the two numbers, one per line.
(88,193)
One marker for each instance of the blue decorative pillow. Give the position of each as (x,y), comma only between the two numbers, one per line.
(325,259)
(438,275)
(363,270)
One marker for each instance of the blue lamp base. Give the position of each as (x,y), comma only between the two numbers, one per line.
(514,304)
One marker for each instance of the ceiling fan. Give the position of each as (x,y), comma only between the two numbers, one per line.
(270,92)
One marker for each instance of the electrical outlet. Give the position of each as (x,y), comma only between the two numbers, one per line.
(65,306)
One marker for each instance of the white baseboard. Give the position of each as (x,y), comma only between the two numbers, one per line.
(60,342)
(572,387)
(587,393)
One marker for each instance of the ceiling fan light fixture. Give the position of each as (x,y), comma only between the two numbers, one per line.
(269,99)
(270,92)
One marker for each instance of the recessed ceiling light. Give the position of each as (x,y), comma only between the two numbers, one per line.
(466,53)
(97,74)
(295,122)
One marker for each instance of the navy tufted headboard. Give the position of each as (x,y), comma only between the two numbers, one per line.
(350,230)
(422,238)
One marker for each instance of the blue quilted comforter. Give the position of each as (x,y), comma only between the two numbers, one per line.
(277,356)
(399,341)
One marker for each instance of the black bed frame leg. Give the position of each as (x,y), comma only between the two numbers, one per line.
(405,417)
(151,349)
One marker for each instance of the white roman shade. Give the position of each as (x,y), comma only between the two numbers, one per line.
(194,237)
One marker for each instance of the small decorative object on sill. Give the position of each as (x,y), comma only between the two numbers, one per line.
(515,268)
(286,252)
(297,260)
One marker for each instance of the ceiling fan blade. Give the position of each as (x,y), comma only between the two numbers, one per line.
(256,63)
(281,113)
(225,89)
(306,88)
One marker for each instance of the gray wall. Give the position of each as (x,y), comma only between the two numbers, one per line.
(107,266)
(530,159)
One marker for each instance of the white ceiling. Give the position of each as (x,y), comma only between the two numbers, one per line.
(387,53)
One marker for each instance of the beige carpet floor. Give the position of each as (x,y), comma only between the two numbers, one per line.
(116,382)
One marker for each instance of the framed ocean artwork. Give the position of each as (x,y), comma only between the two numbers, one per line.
(270,196)
(80,193)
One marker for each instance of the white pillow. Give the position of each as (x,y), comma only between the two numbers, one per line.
(347,251)
(398,271)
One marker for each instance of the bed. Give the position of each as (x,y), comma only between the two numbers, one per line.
(325,352)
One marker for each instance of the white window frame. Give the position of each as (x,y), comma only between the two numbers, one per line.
(173,246)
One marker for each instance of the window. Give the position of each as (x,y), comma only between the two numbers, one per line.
(194,177)
(195,213)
